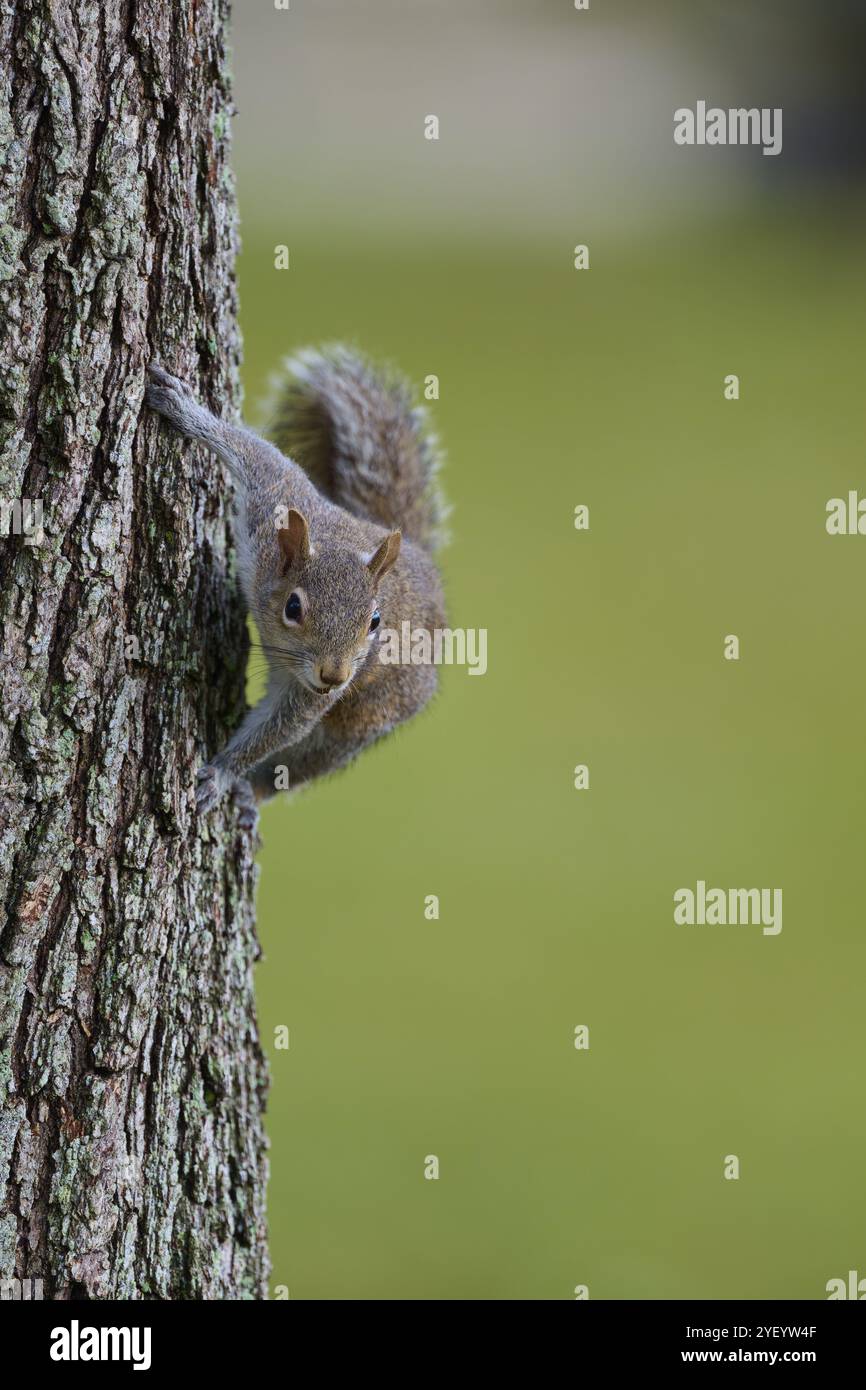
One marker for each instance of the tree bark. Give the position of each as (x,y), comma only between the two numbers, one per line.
(132,1081)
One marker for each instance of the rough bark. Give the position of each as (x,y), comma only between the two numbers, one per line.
(131,1077)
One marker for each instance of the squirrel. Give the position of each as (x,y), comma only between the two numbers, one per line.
(337,523)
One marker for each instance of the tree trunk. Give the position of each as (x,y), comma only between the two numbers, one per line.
(131,1077)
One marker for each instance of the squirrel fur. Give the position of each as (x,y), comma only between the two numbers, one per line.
(337,522)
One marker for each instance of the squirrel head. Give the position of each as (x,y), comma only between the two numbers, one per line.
(323,614)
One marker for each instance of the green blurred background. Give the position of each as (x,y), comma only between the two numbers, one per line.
(455,1037)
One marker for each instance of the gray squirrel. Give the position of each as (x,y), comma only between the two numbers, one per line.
(329,555)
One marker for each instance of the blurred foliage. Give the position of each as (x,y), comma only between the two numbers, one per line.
(455,1037)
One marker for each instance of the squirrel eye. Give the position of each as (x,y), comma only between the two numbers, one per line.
(375,620)
(293,609)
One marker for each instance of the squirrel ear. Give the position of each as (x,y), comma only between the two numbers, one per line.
(384,556)
(294,539)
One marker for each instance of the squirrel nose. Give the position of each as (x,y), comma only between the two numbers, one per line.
(333,675)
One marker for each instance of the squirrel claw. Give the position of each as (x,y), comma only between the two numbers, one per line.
(160,377)
(213,782)
(209,788)
(169,396)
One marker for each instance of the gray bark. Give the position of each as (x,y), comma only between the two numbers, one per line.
(132,1081)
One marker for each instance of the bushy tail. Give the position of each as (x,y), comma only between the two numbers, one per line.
(354,430)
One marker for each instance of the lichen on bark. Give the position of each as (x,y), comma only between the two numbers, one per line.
(132,1080)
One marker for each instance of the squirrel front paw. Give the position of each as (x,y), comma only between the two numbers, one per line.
(213,783)
(171,397)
